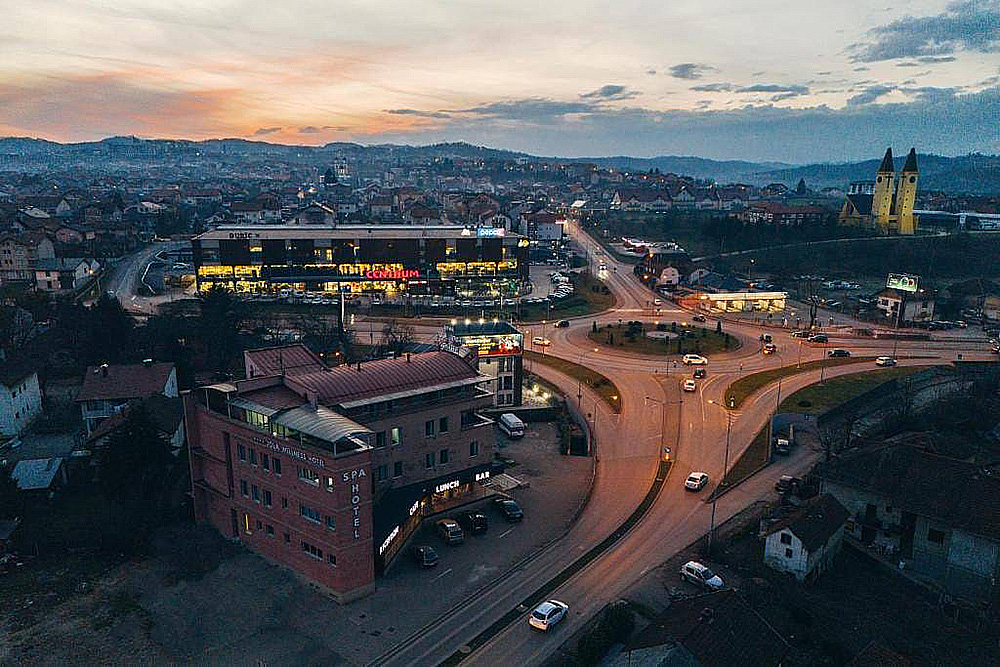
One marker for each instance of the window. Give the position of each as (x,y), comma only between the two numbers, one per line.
(267,498)
(443,458)
(246,524)
(429,428)
(284,502)
(329,484)
(265,463)
(395,436)
(381,439)
(241,452)
(429,460)
(309,513)
(315,552)
(255,492)
(786,538)
(308,476)
(331,559)
(269,529)
(260,525)
(243,488)
(474,448)
(253,456)
(381,472)
(288,538)
(443,425)
(788,553)
(397,469)
(935,536)
(330,523)
(276,464)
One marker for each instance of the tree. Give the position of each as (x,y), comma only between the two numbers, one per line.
(10,495)
(134,471)
(108,332)
(222,317)
(395,337)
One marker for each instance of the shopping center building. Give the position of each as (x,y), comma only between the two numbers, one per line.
(328,471)
(371,259)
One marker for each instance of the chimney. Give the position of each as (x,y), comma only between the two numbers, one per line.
(147,363)
(104,370)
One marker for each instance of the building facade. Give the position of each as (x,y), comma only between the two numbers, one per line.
(805,543)
(498,348)
(382,259)
(885,205)
(20,400)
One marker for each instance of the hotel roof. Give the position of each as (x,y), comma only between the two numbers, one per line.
(347,232)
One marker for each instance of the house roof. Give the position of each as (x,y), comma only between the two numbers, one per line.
(887,165)
(36,474)
(877,654)
(862,202)
(165,412)
(124,381)
(13,371)
(294,359)
(815,521)
(59,263)
(954,492)
(718,629)
(911,161)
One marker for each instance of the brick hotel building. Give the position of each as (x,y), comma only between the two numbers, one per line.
(329,470)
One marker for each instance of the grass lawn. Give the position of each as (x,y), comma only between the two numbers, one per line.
(604,387)
(818,398)
(697,340)
(748,384)
(750,461)
(589,296)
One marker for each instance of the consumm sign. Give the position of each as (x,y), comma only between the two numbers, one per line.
(902,281)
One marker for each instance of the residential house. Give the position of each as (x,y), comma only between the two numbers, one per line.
(20,252)
(64,273)
(779,213)
(165,412)
(40,475)
(641,199)
(315,214)
(902,308)
(107,389)
(937,519)
(20,398)
(804,543)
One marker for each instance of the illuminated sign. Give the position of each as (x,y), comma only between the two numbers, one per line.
(244,235)
(480,476)
(494,345)
(414,507)
(381,274)
(490,232)
(902,281)
(288,451)
(447,486)
(388,540)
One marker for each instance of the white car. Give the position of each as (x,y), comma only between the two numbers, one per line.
(696,481)
(541,340)
(699,574)
(548,614)
(690,385)
(695,359)
(885,361)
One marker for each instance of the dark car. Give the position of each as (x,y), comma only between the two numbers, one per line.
(818,338)
(510,509)
(474,522)
(424,555)
(839,352)
(562,324)
(786,484)
(699,372)
(698,318)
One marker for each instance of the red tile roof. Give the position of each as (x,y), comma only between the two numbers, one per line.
(124,381)
(293,359)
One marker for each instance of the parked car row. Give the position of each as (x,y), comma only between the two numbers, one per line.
(452,531)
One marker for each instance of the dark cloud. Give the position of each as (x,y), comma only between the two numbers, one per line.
(972,25)
(773,88)
(908,63)
(610,92)
(417,112)
(933,94)
(531,109)
(930,60)
(823,73)
(869,95)
(308,129)
(861,69)
(690,70)
(714,88)
(261,131)
(651,72)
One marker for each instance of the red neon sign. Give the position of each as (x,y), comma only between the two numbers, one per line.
(392,273)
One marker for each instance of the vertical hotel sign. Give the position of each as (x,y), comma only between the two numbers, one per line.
(354,477)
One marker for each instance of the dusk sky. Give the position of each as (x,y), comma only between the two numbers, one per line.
(760,79)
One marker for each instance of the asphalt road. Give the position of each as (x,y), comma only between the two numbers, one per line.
(656,414)
(127,275)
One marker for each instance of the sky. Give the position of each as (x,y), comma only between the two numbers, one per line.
(826,80)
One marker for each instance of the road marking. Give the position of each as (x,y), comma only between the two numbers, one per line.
(442,574)
(505,532)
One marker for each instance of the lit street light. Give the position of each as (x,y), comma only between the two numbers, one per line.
(725,466)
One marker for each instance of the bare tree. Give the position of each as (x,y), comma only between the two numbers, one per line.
(395,337)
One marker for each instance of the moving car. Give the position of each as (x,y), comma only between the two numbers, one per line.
(474,522)
(657,302)
(562,324)
(699,574)
(541,340)
(690,385)
(424,555)
(548,614)
(770,348)
(450,531)
(885,361)
(818,338)
(838,352)
(801,334)
(696,481)
(698,318)
(510,510)
(700,372)
(690,359)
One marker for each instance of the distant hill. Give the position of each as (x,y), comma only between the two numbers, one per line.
(974,173)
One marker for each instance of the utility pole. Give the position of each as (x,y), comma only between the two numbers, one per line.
(725,466)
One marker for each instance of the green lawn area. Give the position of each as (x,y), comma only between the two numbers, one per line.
(589,296)
(604,387)
(820,397)
(748,384)
(697,340)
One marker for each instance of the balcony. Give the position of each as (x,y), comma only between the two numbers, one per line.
(475,420)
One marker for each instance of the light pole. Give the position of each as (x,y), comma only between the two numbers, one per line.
(777,404)
(725,466)
(579,383)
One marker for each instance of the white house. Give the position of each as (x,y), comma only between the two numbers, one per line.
(805,543)
(903,308)
(64,273)
(20,399)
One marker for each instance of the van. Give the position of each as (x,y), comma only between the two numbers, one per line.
(450,531)
(511,424)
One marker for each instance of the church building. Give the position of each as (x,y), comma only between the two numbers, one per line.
(885,204)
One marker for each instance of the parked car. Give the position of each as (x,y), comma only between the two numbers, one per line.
(699,574)
(818,338)
(690,385)
(474,522)
(700,372)
(801,334)
(548,614)
(541,340)
(885,361)
(698,318)
(562,324)
(786,484)
(450,531)
(424,555)
(690,359)
(838,352)
(696,481)
(510,510)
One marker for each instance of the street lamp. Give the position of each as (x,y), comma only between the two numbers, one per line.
(725,466)
(579,382)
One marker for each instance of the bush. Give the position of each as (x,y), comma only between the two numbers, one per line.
(614,627)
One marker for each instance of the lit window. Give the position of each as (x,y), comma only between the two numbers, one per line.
(307,475)
(395,436)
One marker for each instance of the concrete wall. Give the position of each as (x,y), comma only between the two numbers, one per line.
(20,404)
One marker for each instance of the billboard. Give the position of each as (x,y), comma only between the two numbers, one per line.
(488,345)
(902,281)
